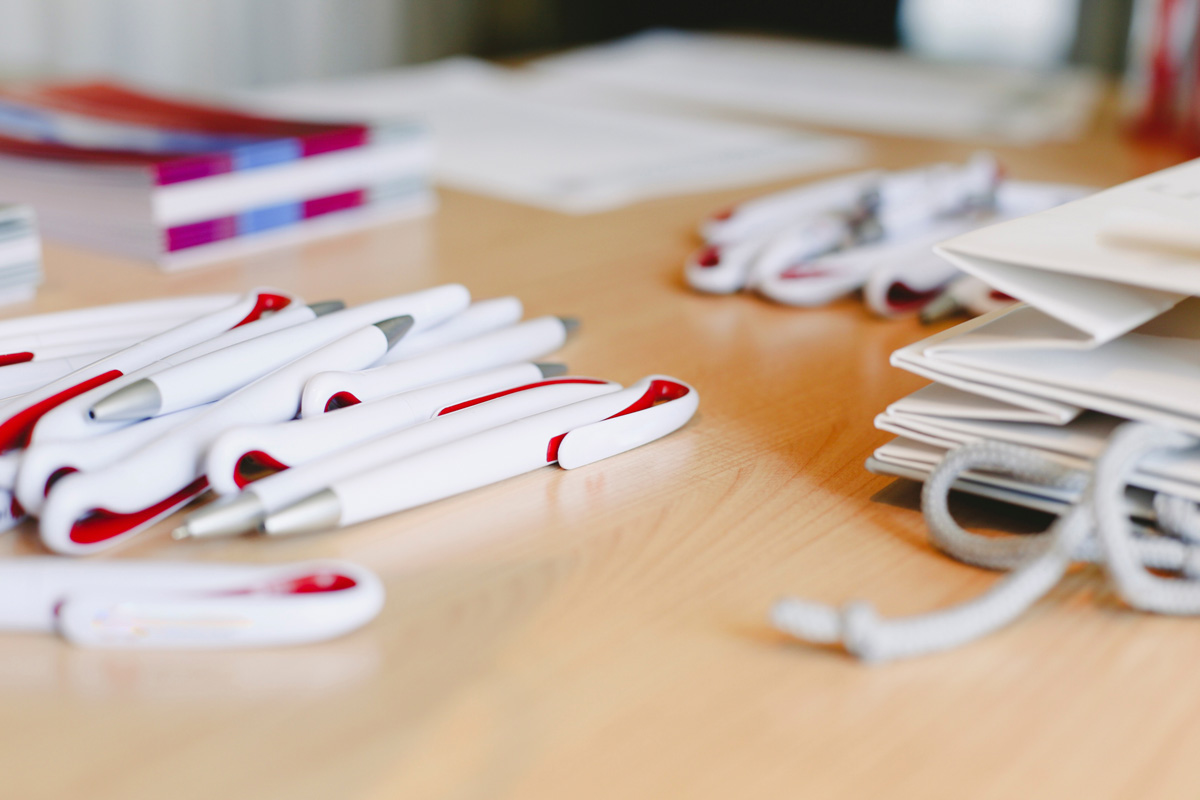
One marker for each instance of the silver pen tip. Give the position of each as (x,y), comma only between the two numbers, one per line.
(571,324)
(226,517)
(138,400)
(317,512)
(395,328)
(551,370)
(180,533)
(326,307)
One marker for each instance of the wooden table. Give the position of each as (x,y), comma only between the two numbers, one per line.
(601,633)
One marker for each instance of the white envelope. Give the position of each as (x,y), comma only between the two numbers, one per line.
(1075,444)
(1151,374)
(1093,263)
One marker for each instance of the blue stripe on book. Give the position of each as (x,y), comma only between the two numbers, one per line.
(262,219)
(264,154)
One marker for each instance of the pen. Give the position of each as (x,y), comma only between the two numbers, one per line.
(169,310)
(574,435)
(72,341)
(154,604)
(245,511)
(72,350)
(212,376)
(17,379)
(90,511)
(42,464)
(524,342)
(19,418)
(240,454)
(70,419)
(483,316)
(763,216)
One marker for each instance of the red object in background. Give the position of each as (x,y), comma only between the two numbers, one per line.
(1165,68)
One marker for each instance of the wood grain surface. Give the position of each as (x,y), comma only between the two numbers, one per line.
(601,633)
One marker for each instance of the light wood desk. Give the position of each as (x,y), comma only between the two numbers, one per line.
(601,633)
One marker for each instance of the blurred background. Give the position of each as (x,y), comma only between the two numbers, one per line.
(203,45)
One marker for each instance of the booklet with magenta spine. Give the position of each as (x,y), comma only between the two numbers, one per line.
(149,176)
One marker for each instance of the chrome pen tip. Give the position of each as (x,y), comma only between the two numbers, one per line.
(227,517)
(551,370)
(180,533)
(395,328)
(317,512)
(326,307)
(138,400)
(570,324)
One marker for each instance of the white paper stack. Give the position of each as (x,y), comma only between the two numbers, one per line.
(547,141)
(1110,332)
(851,87)
(20,254)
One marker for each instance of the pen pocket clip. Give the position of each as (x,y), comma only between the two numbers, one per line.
(666,406)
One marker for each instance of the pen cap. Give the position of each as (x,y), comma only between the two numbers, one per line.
(665,406)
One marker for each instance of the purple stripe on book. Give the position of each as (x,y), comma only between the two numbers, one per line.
(182,237)
(189,168)
(334,202)
(341,139)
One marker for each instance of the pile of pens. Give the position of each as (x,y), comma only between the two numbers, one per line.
(299,417)
(873,232)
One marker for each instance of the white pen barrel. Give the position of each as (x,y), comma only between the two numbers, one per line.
(169,310)
(131,331)
(523,342)
(213,619)
(43,460)
(15,426)
(284,488)
(17,379)
(32,587)
(485,458)
(299,441)
(71,419)
(101,346)
(479,318)
(211,377)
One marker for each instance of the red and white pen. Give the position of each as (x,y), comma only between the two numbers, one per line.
(18,418)
(571,436)
(71,420)
(20,337)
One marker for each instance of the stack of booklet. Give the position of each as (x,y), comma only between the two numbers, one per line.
(20,254)
(181,183)
(1109,332)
